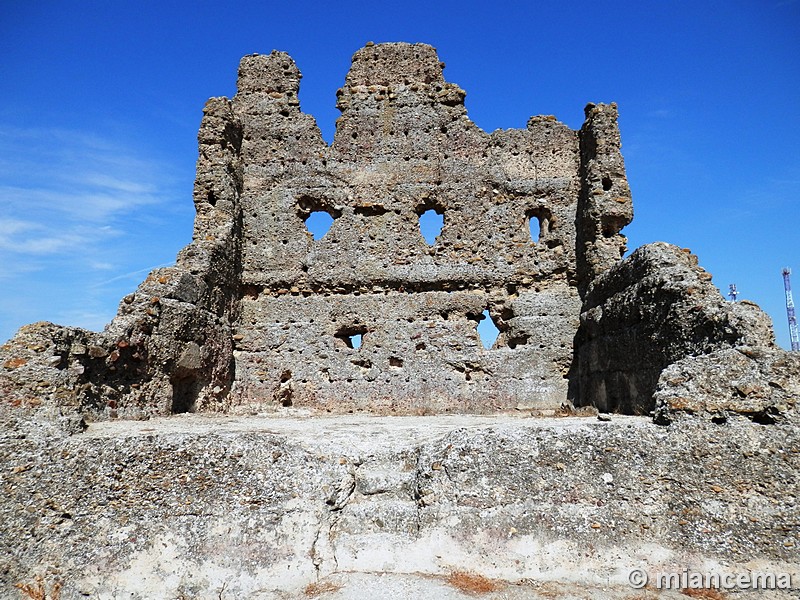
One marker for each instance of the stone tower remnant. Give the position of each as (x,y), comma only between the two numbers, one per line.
(258,313)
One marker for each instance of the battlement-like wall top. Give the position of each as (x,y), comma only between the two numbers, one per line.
(265,73)
(404,145)
(528,214)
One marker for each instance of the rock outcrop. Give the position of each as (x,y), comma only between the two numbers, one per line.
(198,506)
(761,384)
(653,309)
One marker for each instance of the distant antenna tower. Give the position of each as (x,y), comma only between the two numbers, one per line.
(793,335)
(733,292)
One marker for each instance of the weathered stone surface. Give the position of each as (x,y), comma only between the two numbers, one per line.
(605,200)
(403,145)
(255,507)
(258,316)
(650,310)
(762,384)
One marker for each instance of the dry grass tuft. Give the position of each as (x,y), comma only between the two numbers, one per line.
(38,591)
(703,593)
(312,590)
(471,583)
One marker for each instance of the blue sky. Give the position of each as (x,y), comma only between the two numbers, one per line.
(100,104)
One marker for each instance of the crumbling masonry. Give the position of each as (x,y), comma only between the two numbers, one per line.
(258,314)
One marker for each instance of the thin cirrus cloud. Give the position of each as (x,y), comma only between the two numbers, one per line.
(70,202)
(36,239)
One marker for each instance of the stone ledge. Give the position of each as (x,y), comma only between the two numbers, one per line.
(267,506)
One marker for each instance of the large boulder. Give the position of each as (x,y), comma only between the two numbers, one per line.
(653,309)
(758,383)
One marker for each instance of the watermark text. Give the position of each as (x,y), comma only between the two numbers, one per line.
(688,579)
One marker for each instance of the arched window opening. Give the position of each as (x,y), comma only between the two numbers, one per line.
(540,224)
(318,214)
(535,228)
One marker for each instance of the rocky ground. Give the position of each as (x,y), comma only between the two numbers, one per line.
(296,505)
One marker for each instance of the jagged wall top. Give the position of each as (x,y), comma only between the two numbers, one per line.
(275,72)
(404,144)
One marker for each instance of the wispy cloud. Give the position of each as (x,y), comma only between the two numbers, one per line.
(660,113)
(62,190)
(766,198)
(132,275)
(75,212)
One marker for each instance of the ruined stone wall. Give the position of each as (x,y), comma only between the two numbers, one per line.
(404,145)
(257,312)
(169,349)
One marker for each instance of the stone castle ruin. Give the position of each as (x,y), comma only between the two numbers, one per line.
(257,310)
(258,313)
(258,319)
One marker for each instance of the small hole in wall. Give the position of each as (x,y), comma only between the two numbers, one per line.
(318,223)
(487,330)
(430,225)
(520,340)
(351,336)
(606,183)
(535,227)
(212,198)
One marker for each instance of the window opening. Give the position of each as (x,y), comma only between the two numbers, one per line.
(535,227)
(318,223)
(487,330)
(430,225)
(352,336)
